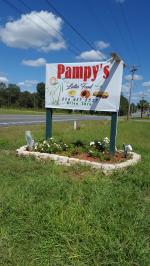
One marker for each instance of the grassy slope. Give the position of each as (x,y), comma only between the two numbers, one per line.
(55,215)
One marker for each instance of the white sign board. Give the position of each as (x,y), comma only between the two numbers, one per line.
(84,86)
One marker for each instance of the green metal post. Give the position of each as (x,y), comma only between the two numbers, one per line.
(113,132)
(48,131)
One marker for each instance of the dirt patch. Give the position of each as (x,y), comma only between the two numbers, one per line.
(108,158)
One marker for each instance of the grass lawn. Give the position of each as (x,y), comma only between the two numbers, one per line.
(20,111)
(143,118)
(74,216)
(26,111)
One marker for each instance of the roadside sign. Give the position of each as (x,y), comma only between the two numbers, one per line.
(86,86)
(92,86)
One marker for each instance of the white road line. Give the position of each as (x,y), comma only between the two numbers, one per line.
(20,122)
(39,121)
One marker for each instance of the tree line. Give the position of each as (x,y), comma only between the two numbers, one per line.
(12,96)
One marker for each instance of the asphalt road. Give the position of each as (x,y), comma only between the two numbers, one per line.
(16,120)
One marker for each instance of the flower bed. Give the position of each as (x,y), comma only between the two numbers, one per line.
(95,154)
(106,168)
(95,151)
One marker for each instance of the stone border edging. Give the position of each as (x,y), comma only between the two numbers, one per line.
(105,167)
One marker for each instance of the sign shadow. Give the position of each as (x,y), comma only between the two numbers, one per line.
(104,85)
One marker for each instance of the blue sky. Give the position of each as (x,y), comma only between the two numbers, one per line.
(34,34)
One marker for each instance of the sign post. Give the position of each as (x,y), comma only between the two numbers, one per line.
(48,131)
(113,132)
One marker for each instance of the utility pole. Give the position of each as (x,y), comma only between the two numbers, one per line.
(142,106)
(133,70)
(34,101)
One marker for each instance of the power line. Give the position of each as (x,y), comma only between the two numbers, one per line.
(122,38)
(70,25)
(37,24)
(43,29)
(135,50)
(98,19)
(19,11)
(129,31)
(59,33)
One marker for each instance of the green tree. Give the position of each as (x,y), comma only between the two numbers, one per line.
(3,95)
(13,92)
(41,94)
(26,100)
(123,105)
(133,107)
(143,105)
(2,86)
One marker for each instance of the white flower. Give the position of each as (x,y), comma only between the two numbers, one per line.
(99,142)
(66,145)
(90,151)
(92,143)
(44,142)
(106,140)
(128,147)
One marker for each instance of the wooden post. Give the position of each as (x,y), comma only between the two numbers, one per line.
(113,132)
(48,131)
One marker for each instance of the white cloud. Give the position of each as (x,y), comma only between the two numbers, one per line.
(146,84)
(137,94)
(38,30)
(136,77)
(54,46)
(34,63)
(27,84)
(3,79)
(102,45)
(91,55)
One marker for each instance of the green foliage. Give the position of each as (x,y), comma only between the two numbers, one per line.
(123,106)
(54,145)
(143,105)
(51,146)
(25,100)
(11,96)
(78,143)
(41,94)
(133,108)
